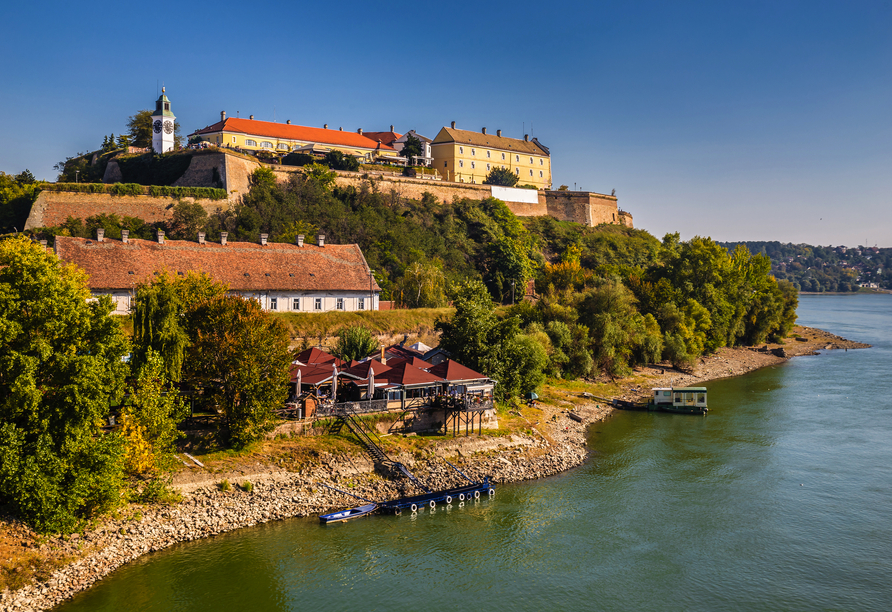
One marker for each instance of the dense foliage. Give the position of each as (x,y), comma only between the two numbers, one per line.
(819,269)
(501,176)
(355,343)
(60,367)
(17,194)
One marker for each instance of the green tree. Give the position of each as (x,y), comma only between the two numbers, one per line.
(160,322)
(239,355)
(423,285)
(320,175)
(355,343)
(501,176)
(17,195)
(60,367)
(187,220)
(336,160)
(139,128)
(150,418)
(412,148)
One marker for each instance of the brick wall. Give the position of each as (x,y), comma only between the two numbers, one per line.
(54,207)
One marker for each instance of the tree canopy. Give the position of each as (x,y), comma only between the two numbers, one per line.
(60,368)
(502,176)
(412,148)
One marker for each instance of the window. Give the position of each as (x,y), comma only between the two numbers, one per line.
(282,147)
(445,164)
(473,152)
(531,161)
(472,165)
(250,143)
(487,167)
(540,174)
(233,140)
(461,150)
(517,158)
(360,303)
(340,304)
(541,162)
(295,304)
(517,171)
(274,303)
(531,172)
(266,145)
(487,155)
(318,304)
(461,164)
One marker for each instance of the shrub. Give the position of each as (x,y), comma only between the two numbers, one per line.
(247,487)
(224,485)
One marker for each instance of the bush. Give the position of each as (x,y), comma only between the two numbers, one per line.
(298,159)
(134,189)
(247,487)
(224,485)
(338,161)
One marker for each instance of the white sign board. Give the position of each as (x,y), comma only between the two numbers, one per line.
(512,194)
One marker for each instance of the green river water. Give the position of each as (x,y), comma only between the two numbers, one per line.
(780,499)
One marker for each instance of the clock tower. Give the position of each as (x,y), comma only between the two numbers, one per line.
(162,125)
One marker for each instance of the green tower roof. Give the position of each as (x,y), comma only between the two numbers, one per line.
(162,106)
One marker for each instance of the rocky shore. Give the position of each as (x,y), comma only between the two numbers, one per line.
(551,445)
(207,510)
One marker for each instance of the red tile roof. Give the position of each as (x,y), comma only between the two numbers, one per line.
(285,131)
(406,374)
(361,370)
(455,372)
(386,138)
(414,361)
(244,266)
(315,356)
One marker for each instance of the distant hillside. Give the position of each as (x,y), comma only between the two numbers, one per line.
(817,268)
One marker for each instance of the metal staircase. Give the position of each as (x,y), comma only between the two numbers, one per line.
(346,416)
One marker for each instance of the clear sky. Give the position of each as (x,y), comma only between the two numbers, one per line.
(736,120)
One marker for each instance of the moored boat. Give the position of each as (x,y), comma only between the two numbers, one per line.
(349,513)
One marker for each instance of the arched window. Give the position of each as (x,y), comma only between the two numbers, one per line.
(282,147)
(266,145)
(250,143)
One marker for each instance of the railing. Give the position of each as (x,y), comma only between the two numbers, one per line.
(465,403)
(362,407)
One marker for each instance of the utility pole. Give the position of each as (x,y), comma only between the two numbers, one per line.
(371,293)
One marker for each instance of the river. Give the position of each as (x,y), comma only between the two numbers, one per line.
(779,499)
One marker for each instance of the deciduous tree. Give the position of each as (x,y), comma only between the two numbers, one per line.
(501,176)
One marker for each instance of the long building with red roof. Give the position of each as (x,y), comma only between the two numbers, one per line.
(286,137)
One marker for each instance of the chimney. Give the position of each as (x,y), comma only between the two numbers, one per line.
(100,234)
(288,122)
(160,236)
(391,128)
(325,127)
(125,236)
(201,236)
(223,236)
(483,130)
(383,358)
(340,129)
(359,131)
(499,133)
(252,117)
(453,125)
(320,240)
(263,238)
(300,240)
(222,115)
(526,137)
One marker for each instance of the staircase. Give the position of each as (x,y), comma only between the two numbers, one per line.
(346,416)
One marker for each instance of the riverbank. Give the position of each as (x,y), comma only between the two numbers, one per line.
(546,442)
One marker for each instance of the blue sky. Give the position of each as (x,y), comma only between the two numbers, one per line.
(740,121)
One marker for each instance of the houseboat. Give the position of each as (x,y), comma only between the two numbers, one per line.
(684,400)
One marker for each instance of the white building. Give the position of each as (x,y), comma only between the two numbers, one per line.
(282,277)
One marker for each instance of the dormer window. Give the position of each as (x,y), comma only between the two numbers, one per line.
(167,106)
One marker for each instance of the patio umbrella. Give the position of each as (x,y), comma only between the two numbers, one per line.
(371,391)
(299,377)
(334,382)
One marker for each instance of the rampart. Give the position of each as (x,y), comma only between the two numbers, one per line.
(52,208)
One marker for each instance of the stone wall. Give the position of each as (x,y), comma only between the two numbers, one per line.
(200,172)
(52,208)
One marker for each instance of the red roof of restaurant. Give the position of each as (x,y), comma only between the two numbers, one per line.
(386,138)
(317,356)
(285,131)
(361,370)
(454,371)
(406,374)
(415,361)
(244,266)
(312,374)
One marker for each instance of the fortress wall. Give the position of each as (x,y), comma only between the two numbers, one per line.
(200,172)
(54,207)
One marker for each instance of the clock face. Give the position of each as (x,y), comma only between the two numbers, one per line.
(157,126)
(168,127)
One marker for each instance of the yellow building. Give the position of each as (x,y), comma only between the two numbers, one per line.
(467,157)
(285,138)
